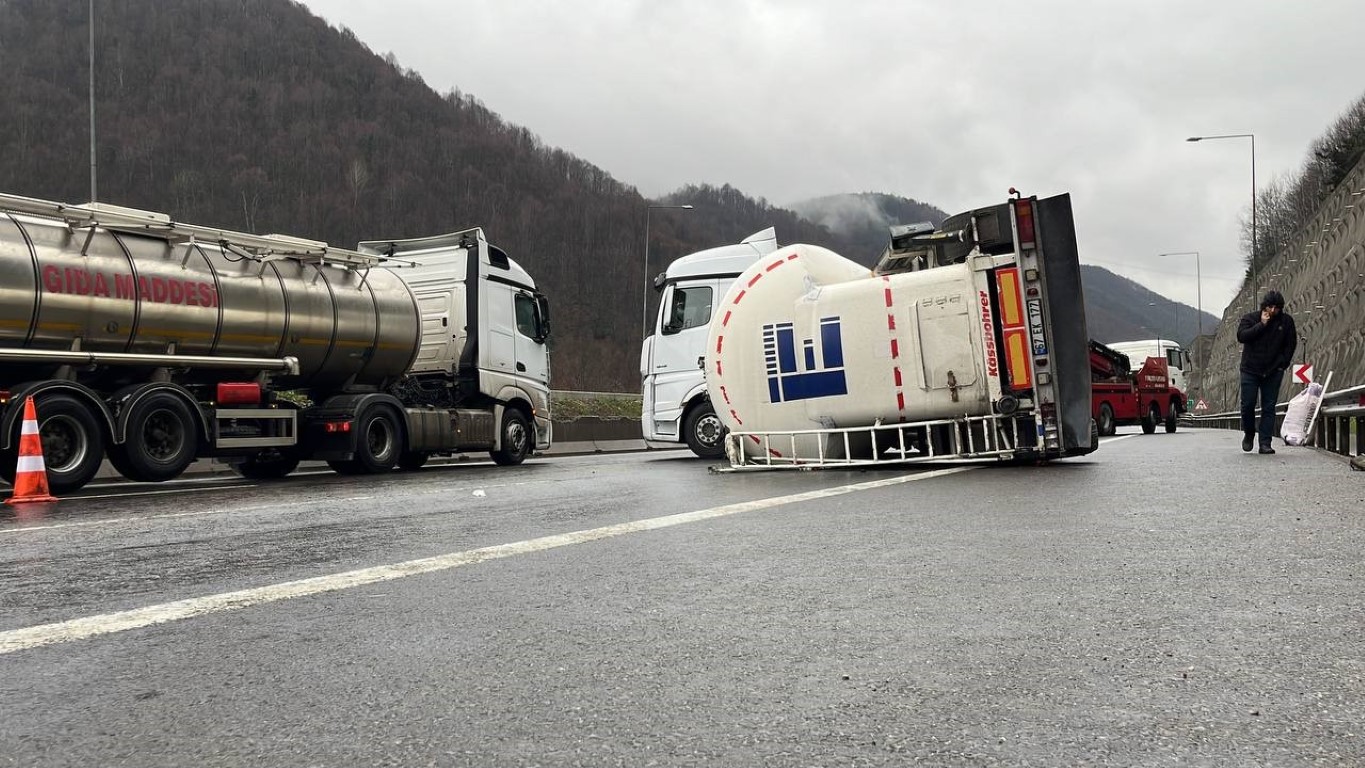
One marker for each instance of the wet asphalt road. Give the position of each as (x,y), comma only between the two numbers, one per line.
(1168,601)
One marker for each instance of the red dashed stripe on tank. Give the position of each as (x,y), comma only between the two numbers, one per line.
(895,345)
(725,323)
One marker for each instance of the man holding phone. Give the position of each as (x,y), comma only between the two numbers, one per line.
(1268,340)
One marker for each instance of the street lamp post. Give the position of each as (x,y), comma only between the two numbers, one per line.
(1198,286)
(1251,136)
(92,101)
(644,304)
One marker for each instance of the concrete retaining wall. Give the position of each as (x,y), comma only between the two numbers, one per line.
(1319,271)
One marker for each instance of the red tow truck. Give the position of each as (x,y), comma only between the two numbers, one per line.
(1119,396)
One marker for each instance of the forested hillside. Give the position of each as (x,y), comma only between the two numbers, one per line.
(1119,309)
(256,115)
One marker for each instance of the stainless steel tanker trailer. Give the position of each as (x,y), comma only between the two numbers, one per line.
(153,343)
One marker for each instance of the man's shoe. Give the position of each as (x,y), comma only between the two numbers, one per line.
(1267,449)
(1246,443)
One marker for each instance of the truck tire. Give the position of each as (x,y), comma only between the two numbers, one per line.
(1149,420)
(162,440)
(516,439)
(704,432)
(266,465)
(1170,420)
(1107,426)
(379,443)
(73,444)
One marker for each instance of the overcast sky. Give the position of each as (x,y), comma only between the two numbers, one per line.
(947,102)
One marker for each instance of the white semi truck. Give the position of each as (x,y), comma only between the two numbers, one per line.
(676,407)
(1176,357)
(153,343)
(968,341)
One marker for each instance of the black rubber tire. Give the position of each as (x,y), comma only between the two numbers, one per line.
(266,465)
(379,444)
(162,440)
(379,441)
(1150,420)
(73,444)
(517,440)
(1106,423)
(413,460)
(703,431)
(1170,420)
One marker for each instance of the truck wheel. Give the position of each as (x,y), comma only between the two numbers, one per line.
(1170,420)
(704,432)
(266,465)
(1106,424)
(162,440)
(1149,421)
(380,441)
(516,439)
(411,460)
(73,445)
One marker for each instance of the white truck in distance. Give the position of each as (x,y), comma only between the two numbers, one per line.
(964,342)
(676,408)
(1177,358)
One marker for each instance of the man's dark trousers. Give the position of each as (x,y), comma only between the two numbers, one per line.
(1268,388)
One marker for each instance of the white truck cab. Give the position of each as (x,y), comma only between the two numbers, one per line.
(1177,359)
(676,407)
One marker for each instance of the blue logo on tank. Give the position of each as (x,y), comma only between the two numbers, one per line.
(816,372)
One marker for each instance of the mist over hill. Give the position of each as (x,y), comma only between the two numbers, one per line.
(865,219)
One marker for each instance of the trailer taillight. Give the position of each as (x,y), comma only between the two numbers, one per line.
(336,426)
(1023,216)
(1012,327)
(239,393)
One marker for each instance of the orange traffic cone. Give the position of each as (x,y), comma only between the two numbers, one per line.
(30,475)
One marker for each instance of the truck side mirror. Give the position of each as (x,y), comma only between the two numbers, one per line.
(542,318)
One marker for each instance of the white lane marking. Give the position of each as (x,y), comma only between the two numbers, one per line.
(273,507)
(93,626)
(131,494)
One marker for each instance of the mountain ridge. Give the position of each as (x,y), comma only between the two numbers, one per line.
(258,115)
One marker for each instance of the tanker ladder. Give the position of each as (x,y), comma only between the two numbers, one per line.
(968,437)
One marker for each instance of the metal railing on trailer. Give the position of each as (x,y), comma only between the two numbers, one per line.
(1340,421)
(974,437)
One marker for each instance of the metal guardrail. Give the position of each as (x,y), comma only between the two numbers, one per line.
(1342,413)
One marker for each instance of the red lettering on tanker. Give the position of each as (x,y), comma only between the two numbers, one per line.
(160,290)
(988,334)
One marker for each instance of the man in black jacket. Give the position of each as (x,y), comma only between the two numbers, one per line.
(1268,340)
